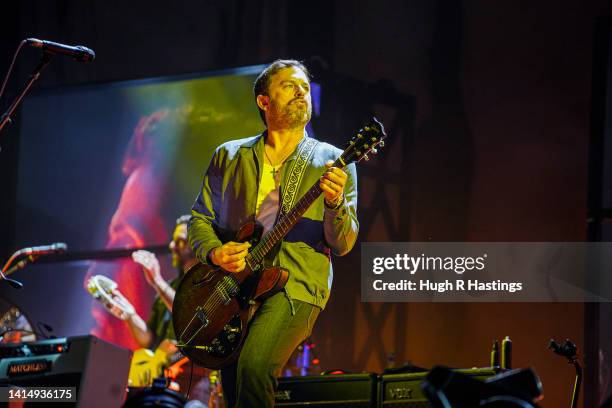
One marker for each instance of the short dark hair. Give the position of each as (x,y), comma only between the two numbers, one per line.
(262,83)
(183,219)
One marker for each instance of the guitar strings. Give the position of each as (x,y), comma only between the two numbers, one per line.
(216,299)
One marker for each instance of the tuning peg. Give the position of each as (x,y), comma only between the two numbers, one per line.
(374,151)
(359,136)
(382,143)
(366,158)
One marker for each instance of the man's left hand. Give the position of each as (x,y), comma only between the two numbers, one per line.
(332,183)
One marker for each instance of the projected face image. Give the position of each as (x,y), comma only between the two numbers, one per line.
(137,220)
(144,146)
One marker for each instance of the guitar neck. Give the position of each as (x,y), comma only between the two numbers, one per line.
(285,224)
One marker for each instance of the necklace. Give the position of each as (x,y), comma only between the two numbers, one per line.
(275,169)
(280,162)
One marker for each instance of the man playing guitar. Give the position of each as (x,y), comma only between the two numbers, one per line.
(246,181)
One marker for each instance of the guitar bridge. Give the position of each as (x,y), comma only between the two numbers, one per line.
(202,316)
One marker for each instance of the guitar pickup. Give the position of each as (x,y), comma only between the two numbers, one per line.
(226,289)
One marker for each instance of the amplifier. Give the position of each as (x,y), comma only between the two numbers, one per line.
(98,370)
(404,390)
(342,390)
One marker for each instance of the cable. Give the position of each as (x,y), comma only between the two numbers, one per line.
(190,379)
(8,74)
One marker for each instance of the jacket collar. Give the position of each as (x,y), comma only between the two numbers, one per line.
(252,141)
(257,142)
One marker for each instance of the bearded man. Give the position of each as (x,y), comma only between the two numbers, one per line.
(246,181)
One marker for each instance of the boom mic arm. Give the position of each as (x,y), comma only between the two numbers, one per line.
(31,253)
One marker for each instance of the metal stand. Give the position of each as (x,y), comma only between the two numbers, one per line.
(577,382)
(6,117)
(569,350)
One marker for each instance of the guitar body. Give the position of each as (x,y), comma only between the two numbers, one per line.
(147,365)
(212,307)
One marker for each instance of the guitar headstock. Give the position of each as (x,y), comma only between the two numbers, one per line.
(366,142)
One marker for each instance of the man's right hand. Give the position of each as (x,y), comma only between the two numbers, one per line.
(230,256)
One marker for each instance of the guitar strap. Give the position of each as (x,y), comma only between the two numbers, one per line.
(296,174)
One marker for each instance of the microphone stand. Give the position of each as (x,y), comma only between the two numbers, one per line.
(21,264)
(44,61)
(569,350)
(577,382)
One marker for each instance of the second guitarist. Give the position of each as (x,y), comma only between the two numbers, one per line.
(246,180)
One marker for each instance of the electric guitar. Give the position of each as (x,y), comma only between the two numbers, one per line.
(147,365)
(212,307)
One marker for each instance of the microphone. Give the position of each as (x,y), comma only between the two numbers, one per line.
(568,349)
(79,53)
(31,254)
(55,248)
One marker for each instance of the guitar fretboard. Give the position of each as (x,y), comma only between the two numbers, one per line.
(285,224)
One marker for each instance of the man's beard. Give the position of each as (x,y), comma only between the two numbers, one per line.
(291,116)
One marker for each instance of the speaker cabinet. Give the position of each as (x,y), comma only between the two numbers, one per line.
(98,370)
(404,390)
(342,390)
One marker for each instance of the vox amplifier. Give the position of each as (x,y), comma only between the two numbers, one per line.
(404,390)
(322,391)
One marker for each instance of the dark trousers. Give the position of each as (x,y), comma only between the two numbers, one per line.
(274,333)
